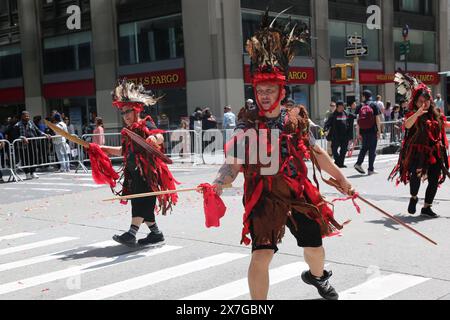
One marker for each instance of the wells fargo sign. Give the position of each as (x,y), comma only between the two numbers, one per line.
(297,75)
(379,77)
(161,79)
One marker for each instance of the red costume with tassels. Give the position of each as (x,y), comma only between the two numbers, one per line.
(274,201)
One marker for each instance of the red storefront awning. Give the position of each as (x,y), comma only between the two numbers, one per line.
(297,75)
(12,95)
(379,77)
(79,88)
(175,78)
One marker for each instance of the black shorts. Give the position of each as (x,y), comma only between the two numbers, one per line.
(143,207)
(307,232)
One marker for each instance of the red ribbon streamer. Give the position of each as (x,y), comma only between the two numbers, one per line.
(102,169)
(353,198)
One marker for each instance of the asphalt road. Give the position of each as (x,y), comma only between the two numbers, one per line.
(55,243)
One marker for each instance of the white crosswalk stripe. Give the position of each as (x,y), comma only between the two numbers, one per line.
(16,236)
(155,277)
(382,287)
(52,256)
(377,288)
(240,287)
(78,270)
(63,184)
(35,245)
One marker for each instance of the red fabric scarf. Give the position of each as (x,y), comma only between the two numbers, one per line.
(213,205)
(102,169)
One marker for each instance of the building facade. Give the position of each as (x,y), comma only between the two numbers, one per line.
(192,51)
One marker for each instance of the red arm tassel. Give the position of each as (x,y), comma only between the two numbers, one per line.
(102,169)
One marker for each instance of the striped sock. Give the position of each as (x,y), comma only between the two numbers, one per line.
(154,229)
(133,230)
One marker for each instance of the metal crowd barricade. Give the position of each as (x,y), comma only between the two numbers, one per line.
(38,152)
(7,160)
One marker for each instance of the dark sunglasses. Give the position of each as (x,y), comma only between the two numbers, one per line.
(127,112)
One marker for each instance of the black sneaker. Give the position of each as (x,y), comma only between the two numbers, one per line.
(428,213)
(359,169)
(323,286)
(152,239)
(127,239)
(412,205)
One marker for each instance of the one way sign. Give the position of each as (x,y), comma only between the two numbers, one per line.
(356,52)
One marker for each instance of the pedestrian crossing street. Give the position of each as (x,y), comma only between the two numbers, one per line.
(29,265)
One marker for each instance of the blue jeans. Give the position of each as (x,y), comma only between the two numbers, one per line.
(369,143)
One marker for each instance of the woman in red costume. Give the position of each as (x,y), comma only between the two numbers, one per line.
(142,172)
(424,148)
(284,197)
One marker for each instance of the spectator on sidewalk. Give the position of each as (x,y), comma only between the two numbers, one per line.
(330,111)
(99,132)
(368,131)
(439,102)
(209,121)
(195,120)
(388,111)
(340,132)
(229,119)
(26,130)
(62,149)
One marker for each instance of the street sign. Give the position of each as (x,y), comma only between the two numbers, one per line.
(356,52)
(354,40)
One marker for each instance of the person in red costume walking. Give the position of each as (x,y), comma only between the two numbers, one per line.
(142,172)
(424,149)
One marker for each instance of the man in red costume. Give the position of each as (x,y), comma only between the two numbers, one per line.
(142,172)
(286,198)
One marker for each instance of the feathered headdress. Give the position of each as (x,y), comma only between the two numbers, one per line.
(409,87)
(128,93)
(273,48)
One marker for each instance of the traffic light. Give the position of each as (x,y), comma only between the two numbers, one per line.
(343,72)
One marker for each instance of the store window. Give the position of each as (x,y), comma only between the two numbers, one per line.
(251,22)
(422,47)
(423,7)
(339,31)
(151,40)
(70,52)
(10,62)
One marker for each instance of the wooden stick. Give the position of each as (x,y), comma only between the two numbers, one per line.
(396,220)
(159,193)
(67,135)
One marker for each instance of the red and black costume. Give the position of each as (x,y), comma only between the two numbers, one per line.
(424,149)
(143,172)
(288,197)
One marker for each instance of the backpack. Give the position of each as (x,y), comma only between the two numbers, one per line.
(366,117)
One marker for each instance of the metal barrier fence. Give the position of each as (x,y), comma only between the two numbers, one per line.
(183,146)
(32,153)
(6,160)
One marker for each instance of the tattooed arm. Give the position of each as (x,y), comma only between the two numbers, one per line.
(227,174)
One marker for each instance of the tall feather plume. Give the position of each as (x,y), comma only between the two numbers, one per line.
(127,91)
(275,45)
(407,85)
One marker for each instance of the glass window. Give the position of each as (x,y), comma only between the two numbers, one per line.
(67,53)
(340,30)
(10,62)
(251,22)
(151,40)
(422,47)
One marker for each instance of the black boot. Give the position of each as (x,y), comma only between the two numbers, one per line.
(127,239)
(152,239)
(428,213)
(323,286)
(412,205)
